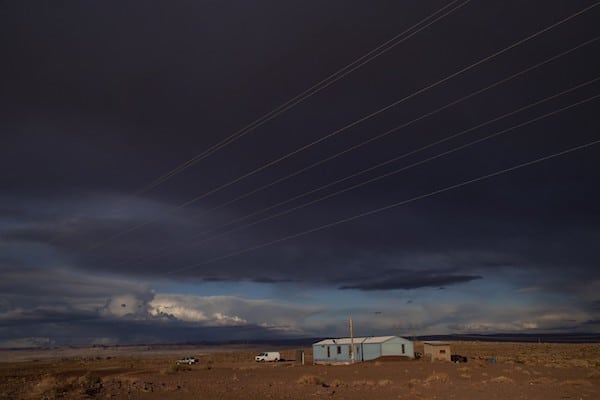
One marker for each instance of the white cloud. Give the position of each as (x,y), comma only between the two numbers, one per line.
(63,294)
(229,310)
(223,319)
(173,308)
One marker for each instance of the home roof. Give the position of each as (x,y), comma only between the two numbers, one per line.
(370,339)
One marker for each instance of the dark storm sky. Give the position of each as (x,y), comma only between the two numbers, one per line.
(99,99)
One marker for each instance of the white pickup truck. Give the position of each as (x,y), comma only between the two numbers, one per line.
(187,360)
(268,356)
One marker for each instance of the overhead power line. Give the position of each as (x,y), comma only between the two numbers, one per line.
(346,127)
(394,130)
(402,169)
(421,162)
(316,88)
(376,166)
(393,205)
(382,110)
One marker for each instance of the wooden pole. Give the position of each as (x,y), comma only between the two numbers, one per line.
(351,343)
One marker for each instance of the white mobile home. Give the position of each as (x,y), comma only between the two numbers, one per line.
(365,349)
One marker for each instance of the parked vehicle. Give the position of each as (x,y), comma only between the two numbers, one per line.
(187,360)
(268,356)
(457,358)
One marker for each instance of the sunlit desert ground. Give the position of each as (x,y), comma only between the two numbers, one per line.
(521,371)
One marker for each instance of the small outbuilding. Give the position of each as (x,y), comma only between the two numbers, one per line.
(436,351)
(365,348)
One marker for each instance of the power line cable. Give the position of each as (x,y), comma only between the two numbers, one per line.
(395,129)
(373,114)
(417,163)
(393,205)
(284,107)
(394,159)
(316,88)
(346,127)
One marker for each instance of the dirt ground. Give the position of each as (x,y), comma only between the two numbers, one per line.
(521,371)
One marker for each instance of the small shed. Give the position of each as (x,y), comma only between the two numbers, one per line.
(436,351)
(365,348)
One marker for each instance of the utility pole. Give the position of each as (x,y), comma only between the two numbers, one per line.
(351,342)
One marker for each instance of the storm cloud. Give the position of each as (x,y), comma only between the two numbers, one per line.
(127,206)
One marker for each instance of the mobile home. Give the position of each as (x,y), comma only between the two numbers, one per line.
(365,349)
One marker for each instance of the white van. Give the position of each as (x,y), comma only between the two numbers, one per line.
(268,356)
